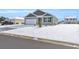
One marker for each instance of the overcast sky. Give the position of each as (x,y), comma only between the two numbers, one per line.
(59,13)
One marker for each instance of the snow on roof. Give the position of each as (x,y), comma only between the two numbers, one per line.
(70,16)
(18,18)
(30,15)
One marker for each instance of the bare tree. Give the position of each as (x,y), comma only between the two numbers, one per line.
(2,18)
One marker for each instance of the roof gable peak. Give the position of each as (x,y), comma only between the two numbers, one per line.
(30,15)
(39,12)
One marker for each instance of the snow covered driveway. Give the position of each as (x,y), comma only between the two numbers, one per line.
(10,27)
(61,32)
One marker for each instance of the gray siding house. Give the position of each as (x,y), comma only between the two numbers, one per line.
(70,20)
(35,17)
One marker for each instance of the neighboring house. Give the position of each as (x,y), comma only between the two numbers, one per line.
(35,17)
(18,20)
(70,20)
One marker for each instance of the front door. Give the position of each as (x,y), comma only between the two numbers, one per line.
(40,22)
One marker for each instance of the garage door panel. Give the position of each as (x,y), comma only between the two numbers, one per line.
(31,21)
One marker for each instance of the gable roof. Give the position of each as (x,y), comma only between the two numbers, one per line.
(30,15)
(47,14)
(39,12)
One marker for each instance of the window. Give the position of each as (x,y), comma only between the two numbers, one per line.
(71,18)
(47,19)
(74,19)
(67,19)
(39,20)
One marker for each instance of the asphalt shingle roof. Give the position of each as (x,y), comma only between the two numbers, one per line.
(47,14)
(39,12)
(30,15)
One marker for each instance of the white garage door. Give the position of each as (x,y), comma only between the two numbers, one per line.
(31,21)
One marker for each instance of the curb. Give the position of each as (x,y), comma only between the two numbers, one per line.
(60,43)
(44,40)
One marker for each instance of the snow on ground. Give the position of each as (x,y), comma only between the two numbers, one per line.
(61,32)
(2,26)
(15,26)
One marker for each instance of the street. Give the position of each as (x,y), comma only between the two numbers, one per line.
(10,42)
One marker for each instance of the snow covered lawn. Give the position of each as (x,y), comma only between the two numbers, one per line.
(61,32)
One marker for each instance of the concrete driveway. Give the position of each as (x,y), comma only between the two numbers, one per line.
(10,42)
